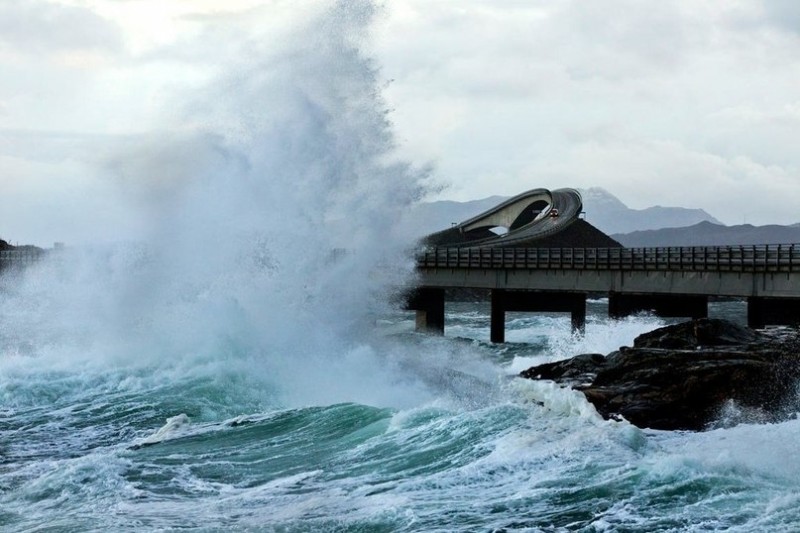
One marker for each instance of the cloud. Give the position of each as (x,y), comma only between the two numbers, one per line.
(35,27)
(646,172)
(783,14)
(502,95)
(622,94)
(55,188)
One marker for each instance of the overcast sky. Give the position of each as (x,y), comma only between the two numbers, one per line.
(672,102)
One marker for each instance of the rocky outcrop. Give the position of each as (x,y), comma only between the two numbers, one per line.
(683,376)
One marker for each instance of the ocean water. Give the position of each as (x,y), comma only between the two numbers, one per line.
(396,432)
(227,370)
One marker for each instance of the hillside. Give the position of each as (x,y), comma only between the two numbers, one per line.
(609,214)
(708,234)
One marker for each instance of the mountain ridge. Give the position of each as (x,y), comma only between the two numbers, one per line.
(709,234)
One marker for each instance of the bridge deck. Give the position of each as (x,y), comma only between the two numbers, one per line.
(740,271)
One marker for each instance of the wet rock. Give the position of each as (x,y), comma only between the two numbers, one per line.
(681,376)
(699,333)
(576,371)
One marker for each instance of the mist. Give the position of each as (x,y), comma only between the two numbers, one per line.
(255,229)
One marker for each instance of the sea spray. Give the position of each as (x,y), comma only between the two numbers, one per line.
(267,243)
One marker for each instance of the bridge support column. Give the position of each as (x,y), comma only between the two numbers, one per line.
(578,312)
(667,305)
(429,304)
(772,312)
(535,301)
(497,332)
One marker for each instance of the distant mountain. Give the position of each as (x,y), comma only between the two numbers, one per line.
(429,217)
(606,212)
(603,210)
(708,234)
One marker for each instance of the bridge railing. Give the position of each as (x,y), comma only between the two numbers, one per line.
(14,258)
(763,258)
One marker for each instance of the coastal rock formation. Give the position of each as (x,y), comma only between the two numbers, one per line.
(683,377)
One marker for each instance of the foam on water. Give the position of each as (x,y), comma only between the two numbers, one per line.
(602,335)
(763,450)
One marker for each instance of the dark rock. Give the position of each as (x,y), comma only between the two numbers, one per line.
(681,376)
(698,333)
(580,369)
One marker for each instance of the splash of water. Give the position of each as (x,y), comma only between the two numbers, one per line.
(285,159)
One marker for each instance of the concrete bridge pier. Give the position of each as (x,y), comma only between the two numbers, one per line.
(428,302)
(772,312)
(535,301)
(667,305)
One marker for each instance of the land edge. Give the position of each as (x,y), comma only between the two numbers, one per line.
(696,375)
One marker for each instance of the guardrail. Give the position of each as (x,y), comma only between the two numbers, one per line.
(13,258)
(763,258)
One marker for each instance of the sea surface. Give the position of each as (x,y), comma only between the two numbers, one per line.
(395,431)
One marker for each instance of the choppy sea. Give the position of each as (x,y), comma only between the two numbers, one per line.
(392,431)
(217,368)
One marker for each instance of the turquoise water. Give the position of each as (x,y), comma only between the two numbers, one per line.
(452,442)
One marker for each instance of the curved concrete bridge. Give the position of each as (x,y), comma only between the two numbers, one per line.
(524,218)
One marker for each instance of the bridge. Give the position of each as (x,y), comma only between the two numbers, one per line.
(530,216)
(522,276)
(19,257)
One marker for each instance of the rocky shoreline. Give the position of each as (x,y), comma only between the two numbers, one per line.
(686,376)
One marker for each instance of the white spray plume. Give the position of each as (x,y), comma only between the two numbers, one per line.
(270,211)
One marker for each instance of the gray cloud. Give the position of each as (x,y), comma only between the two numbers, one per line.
(646,99)
(37,26)
(642,98)
(784,14)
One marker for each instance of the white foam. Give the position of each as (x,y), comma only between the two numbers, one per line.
(174,426)
(602,335)
(764,450)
